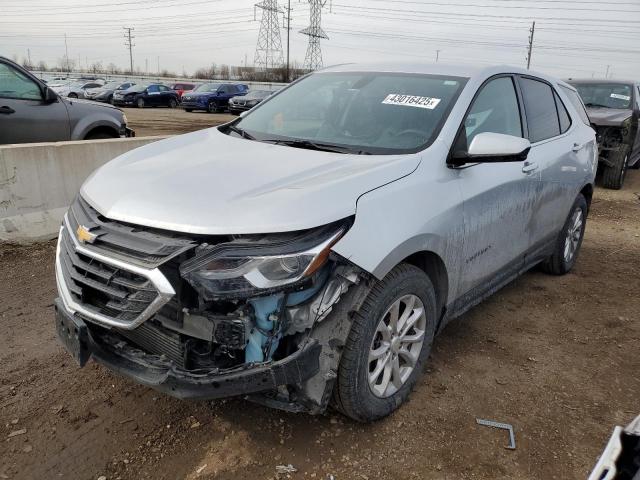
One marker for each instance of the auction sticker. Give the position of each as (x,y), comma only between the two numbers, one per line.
(411,101)
(621,97)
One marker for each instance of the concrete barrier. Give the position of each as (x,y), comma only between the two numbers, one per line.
(38,182)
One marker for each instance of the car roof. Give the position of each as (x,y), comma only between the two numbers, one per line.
(459,70)
(601,80)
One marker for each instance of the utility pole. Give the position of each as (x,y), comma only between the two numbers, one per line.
(158,65)
(29,58)
(437,55)
(606,75)
(128,43)
(531,32)
(146,66)
(66,53)
(288,39)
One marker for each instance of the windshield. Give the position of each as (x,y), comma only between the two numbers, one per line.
(258,94)
(607,95)
(208,87)
(377,113)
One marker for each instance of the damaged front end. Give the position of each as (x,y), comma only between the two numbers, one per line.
(207,317)
(613,138)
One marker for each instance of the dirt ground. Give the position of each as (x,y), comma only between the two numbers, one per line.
(165,121)
(555,356)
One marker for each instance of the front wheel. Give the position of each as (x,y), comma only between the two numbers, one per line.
(211,107)
(569,240)
(140,103)
(613,176)
(389,342)
(73,95)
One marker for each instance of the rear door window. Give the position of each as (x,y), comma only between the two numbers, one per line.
(153,88)
(563,115)
(540,109)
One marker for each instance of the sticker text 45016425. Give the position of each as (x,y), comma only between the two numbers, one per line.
(411,101)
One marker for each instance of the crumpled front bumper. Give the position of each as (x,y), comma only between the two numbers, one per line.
(158,373)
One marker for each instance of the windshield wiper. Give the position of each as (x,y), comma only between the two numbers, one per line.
(597,105)
(323,147)
(241,132)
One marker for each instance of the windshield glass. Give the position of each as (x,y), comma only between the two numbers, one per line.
(208,87)
(608,95)
(257,94)
(377,113)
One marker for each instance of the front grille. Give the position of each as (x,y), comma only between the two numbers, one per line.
(102,289)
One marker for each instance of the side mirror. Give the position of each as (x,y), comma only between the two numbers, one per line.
(494,147)
(49,96)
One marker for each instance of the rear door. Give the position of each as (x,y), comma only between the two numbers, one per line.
(24,117)
(561,149)
(165,94)
(499,198)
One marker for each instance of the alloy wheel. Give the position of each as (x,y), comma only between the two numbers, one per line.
(574,234)
(396,345)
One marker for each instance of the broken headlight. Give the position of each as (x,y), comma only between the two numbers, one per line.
(250,266)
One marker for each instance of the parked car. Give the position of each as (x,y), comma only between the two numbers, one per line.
(32,112)
(620,459)
(106,91)
(300,255)
(212,97)
(240,104)
(77,89)
(613,107)
(181,87)
(147,95)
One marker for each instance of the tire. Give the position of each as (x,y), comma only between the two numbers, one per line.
(140,102)
(188,110)
(613,177)
(73,95)
(173,103)
(211,107)
(353,394)
(565,255)
(110,99)
(99,136)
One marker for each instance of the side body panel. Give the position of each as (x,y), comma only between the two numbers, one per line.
(33,121)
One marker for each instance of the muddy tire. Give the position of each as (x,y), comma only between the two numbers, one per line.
(613,177)
(569,240)
(388,345)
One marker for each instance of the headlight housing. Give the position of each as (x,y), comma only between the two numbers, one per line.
(250,267)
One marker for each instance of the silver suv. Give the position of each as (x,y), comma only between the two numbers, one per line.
(308,252)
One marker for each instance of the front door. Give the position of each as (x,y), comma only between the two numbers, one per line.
(24,117)
(499,198)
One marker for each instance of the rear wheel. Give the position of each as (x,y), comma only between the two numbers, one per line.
(140,103)
(188,109)
(613,176)
(100,136)
(173,103)
(388,344)
(569,240)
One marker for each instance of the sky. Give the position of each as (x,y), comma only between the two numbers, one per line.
(572,38)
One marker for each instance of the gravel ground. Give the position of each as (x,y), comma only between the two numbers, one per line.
(166,121)
(555,356)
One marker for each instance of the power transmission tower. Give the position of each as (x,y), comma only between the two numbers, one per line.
(313,58)
(269,46)
(128,42)
(531,32)
(288,38)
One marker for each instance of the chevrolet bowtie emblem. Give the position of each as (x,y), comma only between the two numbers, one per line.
(84,235)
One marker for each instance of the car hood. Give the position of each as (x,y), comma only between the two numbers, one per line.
(78,103)
(608,116)
(210,183)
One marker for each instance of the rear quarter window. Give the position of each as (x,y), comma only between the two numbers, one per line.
(563,115)
(576,101)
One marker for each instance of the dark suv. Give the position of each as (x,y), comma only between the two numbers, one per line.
(212,97)
(613,107)
(149,95)
(32,112)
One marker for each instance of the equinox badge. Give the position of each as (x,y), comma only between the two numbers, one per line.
(84,235)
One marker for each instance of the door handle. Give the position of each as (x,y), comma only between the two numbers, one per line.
(7,110)
(529,167)
(577,146)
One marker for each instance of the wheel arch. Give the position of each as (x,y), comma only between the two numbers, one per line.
(106,129)
(433,265)
(587,192)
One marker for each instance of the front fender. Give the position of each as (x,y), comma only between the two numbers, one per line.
(92,121)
